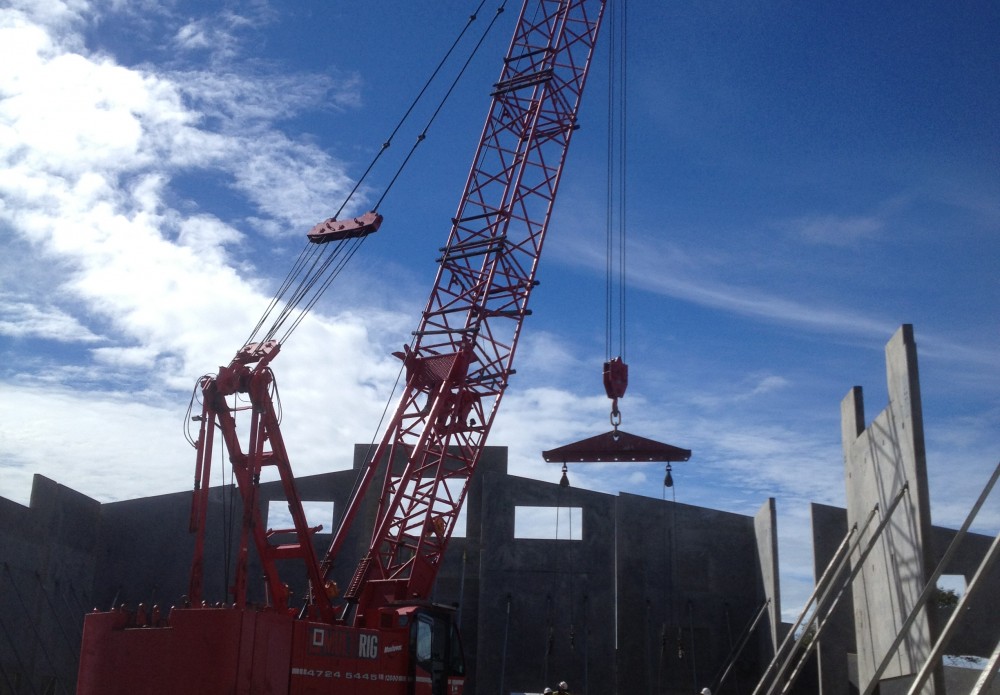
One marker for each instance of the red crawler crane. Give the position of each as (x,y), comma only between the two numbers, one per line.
(384,637)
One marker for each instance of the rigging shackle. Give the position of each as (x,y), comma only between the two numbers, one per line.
(616,415)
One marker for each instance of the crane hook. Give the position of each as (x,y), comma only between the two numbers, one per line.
(615,383)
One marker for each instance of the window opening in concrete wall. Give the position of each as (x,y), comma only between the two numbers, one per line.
(460,524)
(317,513)
(951,587)
(454,488)
(549,523)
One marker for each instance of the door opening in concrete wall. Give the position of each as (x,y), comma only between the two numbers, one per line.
(318,513)
(549,523)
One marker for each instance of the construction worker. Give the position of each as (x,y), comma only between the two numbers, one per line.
(563,688)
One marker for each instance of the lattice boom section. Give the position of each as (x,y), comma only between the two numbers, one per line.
(485,277)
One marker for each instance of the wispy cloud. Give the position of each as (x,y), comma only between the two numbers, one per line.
(834,230)
(684,282)
(21,319)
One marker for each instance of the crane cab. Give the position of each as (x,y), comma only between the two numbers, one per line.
(416,650)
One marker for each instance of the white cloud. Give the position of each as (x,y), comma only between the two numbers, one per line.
(90,149)
(834,230)
(667,269)
(90,155)
(60,17)
(199,34)
(21,319)
(41,425)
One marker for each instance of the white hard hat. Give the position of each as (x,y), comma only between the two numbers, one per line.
(563,686)
(706,691)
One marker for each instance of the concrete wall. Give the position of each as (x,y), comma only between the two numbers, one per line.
(689,581)
(766,532)
(651,597)
(48,554)
(977,635)
(881,461)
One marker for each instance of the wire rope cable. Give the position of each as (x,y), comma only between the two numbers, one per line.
(423,134)
(388,141)
(617,181)
(318,265)
(623,171)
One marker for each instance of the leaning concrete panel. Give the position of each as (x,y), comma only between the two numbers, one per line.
(979,627)
(880,462)
(765,526)
(829,529)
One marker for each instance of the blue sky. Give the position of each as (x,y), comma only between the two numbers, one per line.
(803,178)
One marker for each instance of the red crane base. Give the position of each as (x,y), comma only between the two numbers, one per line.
(221,651)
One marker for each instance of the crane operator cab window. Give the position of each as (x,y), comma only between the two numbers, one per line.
(437,653)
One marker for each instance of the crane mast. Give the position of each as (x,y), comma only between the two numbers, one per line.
(461,357)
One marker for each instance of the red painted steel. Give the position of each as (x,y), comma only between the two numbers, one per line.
(614,447)
(215,651)
(615,379)
(249,374)
(461,359)
(457,370)
(338,230)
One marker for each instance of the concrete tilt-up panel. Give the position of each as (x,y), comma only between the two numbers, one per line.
(880,461)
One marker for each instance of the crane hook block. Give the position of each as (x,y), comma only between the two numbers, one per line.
(615,378)
(338,230)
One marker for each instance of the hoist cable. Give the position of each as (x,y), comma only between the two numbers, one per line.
(318,268)
(358,241)
(293,272)
(623,171)
(322,259)
(330,277)
(609,211)
(371,445)
(617,183)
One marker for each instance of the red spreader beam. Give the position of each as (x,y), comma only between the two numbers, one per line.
(616,446)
